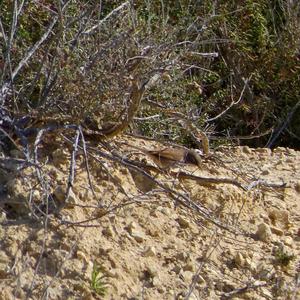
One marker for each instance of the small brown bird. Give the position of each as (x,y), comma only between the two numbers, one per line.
(168,156)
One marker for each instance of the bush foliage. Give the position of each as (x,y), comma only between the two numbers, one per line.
(230,66)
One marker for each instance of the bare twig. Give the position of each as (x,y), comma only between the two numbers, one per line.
(147,118)
(284,125)
(86,161)
(244,289)
(214,243)
(31,51)
(208,54)
(112,14)
(5,89)
(72,165)
(246,82)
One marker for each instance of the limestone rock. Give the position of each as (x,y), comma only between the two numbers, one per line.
(152,270)
(276,230)
(4,264)
(108,231)
(150,251)
(131,226)
(189,267)
(263,232)
(139,236)
(279,217)
(246,150)
(297,186)
(60,195)
(184,223)
(81,255)
(239,259)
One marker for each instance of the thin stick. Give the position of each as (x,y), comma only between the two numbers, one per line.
(86,162)
(246,82)
(72,165)
(243,290)
(113,13)
(34,48)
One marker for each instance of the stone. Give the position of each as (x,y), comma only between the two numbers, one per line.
(250,264)
(4,264)
(152,270)
(165,211)
(246,150)
(184,223)
(80,255)
(239,259)
(60,195)
(36,195)
(139,236)
(280,150)
(263,232)
(158,284)
(266,293)
(264,151)
(131,227)
(188,276)
(112,273)
(150,251)
(276,230)
(265,172)
(189,267)
(182,256)
(297,187)
(279,216)
(288,241)
(3,217)
(108,231)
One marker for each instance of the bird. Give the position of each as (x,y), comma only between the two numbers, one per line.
(170,156)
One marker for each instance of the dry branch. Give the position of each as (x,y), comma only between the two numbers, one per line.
(118,10)
(246,83)
(5,89)
(244,289)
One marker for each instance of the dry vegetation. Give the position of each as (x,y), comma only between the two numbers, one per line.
(92,93)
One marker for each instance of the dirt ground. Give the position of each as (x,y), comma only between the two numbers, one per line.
(145,233)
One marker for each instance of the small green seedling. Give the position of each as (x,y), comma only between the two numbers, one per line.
(98,282)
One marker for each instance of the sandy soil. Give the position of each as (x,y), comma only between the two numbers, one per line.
(156,236)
